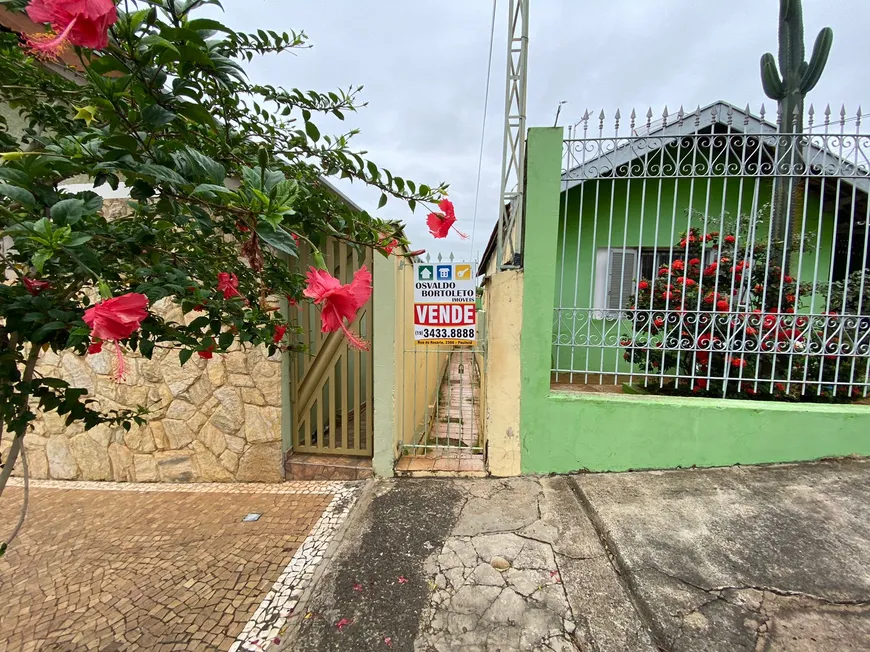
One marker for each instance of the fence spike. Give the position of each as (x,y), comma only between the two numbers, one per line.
(746,115)
(698,116)
(452,257)
(762,112)
(440,258)
(649,117)
(681,114)
(729,115)
(633,117)
(842,114)
(858,117)
(616,118)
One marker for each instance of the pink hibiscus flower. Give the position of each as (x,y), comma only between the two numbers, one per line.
(339,302)
(441,223)
(84,23)
(116,319)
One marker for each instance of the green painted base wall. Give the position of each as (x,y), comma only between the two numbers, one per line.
(567,432)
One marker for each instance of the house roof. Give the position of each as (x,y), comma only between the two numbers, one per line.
(718,113)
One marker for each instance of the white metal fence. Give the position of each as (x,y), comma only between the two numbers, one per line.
(711,253)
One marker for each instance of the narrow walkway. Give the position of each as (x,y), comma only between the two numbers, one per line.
(458,409)
(453,444)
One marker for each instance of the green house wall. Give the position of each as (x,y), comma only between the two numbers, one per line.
(635,213)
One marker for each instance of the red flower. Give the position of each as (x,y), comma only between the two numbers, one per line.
(95,347)
(241,226)
(228,284)
(738,362)
(789,311)
(758,289)
(708,237)
(659,322)
(730,239)
(643,285)
(441,223)
(667,296)
(118,318)
(788,279)
(751,331)
(722,304)
(790,298)
(339,302)
(780,387)
(280,330)
(206,354)
(33,286)
(344,622)
(710,270)
(663,271)
(699,384)
(695,261)
(76,22)
(678,265)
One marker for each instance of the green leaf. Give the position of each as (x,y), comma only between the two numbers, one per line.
(40,258)
(45,329)
(122,141)
(22,196)
(211,189)
(67,211)
(277,238)
(78,240)
(225,340)
(206,24)
(383,201)
(156,116)
(312,131)
(197,113)
(153,41)
(141,190)
(162,174)
(184,356)
(206,165)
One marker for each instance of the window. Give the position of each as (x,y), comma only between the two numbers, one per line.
(618,270)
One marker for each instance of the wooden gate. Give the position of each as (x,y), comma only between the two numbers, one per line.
(331,383)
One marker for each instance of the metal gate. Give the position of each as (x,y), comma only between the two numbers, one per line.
(331,385)
(440,411)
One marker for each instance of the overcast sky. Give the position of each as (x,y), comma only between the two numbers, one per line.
(423,65)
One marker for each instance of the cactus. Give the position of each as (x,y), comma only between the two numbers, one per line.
(789,86)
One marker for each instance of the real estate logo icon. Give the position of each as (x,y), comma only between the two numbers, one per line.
(463,272)
(425,273)
(445,272)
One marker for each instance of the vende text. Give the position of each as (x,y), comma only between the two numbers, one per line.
(444,314)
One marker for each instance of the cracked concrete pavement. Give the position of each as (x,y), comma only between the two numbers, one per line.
(472,565)
(767,558)
(757,558)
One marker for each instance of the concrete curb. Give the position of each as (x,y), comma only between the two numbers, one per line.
(617,561)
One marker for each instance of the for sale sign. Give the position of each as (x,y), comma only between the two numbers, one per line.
(444,303)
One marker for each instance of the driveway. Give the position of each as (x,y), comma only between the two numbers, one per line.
(104,566)
(723,560)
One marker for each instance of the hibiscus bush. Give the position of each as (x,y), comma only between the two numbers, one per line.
(722,319)
(225,181)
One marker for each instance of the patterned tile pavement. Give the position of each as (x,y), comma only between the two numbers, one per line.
(112,567)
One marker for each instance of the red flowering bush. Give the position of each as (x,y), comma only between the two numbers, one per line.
(225,179)
(721,320)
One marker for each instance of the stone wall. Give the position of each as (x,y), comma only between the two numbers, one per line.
(215,420)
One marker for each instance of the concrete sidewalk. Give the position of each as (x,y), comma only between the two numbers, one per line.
(774,558)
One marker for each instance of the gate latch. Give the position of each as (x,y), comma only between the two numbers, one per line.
(461,369)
